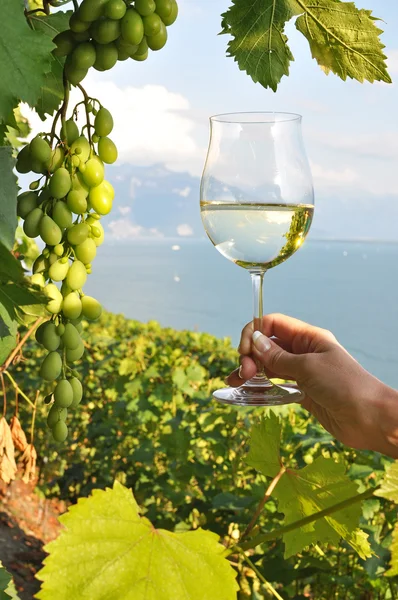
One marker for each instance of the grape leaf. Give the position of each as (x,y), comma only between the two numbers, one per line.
(108,551)
(7,588)
(10,267)
(8,333)
(265,442)
(259,45)
(343,39)
(8,194)
(389,485)
(52,90)
(303,492)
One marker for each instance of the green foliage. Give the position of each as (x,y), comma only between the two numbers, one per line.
(7,588)
(23,65)
(304,492)
(389,490)
(342,38)
(8,197)
(108,550)
(52,89)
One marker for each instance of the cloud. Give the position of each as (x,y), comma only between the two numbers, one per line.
(392,61)
(124,210)
(184,230)
(125,229)
(184,193)
(326,176)
(134,183)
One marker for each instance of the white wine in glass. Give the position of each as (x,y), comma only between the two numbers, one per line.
(257,205)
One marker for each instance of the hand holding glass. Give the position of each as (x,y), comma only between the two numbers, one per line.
(257,204)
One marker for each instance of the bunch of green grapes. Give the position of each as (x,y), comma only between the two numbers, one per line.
(105,31)
(64,207)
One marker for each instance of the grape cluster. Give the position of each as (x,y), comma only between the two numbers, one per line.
(105,31)
(64,206)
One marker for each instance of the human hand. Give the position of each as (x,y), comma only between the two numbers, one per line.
(353,405)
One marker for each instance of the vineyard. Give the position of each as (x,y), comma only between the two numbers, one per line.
(164,493)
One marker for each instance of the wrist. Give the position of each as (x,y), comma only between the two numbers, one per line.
(386,405)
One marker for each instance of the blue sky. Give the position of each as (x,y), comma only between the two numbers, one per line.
(162,106)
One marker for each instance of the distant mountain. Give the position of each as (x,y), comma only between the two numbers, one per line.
(155,202)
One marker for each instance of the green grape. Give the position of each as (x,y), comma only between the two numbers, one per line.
(52,258)
(92,309)
(77,25)
(50,338)
(84,146)
(140,57)
(63,394)
(169,19)
(59,249)
(79,185)
(145,7)
(100,200)
(77,275)
(164,8)
(82,36)
(108,187)
(95,138)
(91,10)
(24,161)
(132,27)
(78,233)
(62,215)
(34,185)
(72,306)
(65,43)
(77,202)
(40,265)
(152,24)
(98,239)
(60,431)
(94,173)
(76,354)
(65,289)
(32,222)
(61,329)
(70,133)
(122,46)
(74,75)
(49,231)
(71,337)
(56,160)
(38,279)
(106,56)
(54,304)
(123,54)
(46,252)
(143,47)
(105,31)
(51,367)
(60,183)
(44,195)
(103,123)
(27,201)
(115,9)
(40,150)
(37,166)
(58,270)
(77,391)
(75,161)
(56,414)
(39,333)
(83,56)
(107,150)
(156,42)
(86,251)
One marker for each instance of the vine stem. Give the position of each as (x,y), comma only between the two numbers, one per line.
(16,386)
(276,533)
(266,583)
(3,385)
(64,107)
(86,101)
(21,343)
(264,500)
(32,426)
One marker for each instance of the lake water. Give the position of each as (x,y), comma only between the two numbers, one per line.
(350,288)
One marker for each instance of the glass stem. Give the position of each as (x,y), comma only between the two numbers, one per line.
(257,281)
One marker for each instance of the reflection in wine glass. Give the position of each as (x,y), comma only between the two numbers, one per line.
(257,204)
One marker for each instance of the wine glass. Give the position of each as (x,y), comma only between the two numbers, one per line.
(257,204)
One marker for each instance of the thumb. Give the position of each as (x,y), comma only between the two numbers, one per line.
(276,359)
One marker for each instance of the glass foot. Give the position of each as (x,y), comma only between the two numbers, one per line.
(250,394)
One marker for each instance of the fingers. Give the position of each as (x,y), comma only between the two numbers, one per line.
(246,371)
(277,360)
(298,335)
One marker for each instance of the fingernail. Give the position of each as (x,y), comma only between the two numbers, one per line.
(261,341)
(240,372)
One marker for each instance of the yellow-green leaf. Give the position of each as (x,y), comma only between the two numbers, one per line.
(108,551)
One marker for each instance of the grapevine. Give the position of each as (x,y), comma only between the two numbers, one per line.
(64,205)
